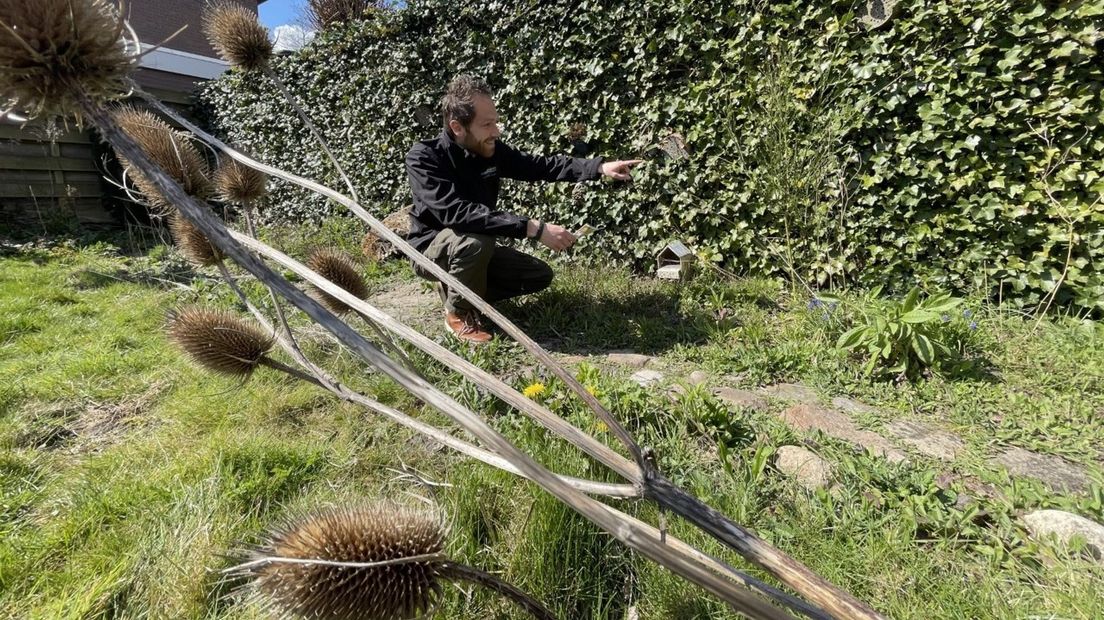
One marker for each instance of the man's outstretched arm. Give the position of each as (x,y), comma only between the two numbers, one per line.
(515,164)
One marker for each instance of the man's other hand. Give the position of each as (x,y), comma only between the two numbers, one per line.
(620,170)
(555,237)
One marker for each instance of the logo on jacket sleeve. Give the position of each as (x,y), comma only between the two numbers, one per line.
(489,173)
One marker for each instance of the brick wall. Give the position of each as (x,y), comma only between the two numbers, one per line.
(156,20)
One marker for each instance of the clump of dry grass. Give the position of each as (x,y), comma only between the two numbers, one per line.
(337,267)
(237,35)
(375,247)
(53,53)
(364,534)
(219,341)
(173,151)
(240,184)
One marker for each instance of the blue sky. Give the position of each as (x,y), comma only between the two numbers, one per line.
(279,12)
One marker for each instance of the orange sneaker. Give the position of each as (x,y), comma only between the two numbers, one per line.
(466,326)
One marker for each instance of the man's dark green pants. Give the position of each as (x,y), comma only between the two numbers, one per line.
(493,271)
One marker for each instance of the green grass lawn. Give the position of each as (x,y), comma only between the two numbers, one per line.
(129,477)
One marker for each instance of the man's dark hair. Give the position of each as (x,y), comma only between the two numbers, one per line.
(459,100)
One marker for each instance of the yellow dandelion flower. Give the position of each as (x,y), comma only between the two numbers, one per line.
(593,391)
(534,390)
(601,427)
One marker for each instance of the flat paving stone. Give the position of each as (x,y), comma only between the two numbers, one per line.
(647,377)
(633,360)
(1064,526)
(805,466)
(793,392)
(836,424)
(848,405)
(1054,471)
(926,439)
(742,398)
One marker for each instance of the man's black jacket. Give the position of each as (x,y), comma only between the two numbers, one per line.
(455,188)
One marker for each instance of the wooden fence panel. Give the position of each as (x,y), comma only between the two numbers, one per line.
(50,179)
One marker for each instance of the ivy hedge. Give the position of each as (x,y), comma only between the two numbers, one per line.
(959,144)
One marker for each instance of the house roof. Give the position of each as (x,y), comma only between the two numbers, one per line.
(677,248)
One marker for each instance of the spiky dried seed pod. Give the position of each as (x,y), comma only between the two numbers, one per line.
(362,534)
(337,267)
(239,183)
(326,13)
(237,35)
(53,52)
(191,241)
(172,150)
(219,341)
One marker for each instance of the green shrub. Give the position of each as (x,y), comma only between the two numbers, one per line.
(956,146)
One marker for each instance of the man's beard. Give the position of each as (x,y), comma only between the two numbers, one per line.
(483,148)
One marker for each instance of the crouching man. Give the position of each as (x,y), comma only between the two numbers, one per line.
(456,220)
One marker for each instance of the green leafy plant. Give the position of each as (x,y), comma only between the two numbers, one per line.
(901,337)
(962,170)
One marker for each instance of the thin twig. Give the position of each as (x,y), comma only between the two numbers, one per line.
(275,559)
(461,572)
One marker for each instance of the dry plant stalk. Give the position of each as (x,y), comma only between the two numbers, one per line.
(639,538)
(90,104)
(750,546)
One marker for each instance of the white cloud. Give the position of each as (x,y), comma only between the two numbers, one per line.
(289,38)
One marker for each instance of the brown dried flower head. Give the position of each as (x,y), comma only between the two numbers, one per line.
(239,183)
(219,341)
(191,241)
(55,52)
(337,267)
(173,151)
(237,35)
(364,534)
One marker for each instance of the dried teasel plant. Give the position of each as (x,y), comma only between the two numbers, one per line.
(240,184)
(236,35)
(219,341)
(55,52)
(379,561)
(173,151)
(325,14)
(683,560)
(339,268)
(192,243)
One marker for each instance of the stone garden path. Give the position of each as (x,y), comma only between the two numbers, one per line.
(810,413)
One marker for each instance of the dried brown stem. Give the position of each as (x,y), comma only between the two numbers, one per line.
(433,268)
(461,572)
(636,538)
(789,571)
(485,379)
